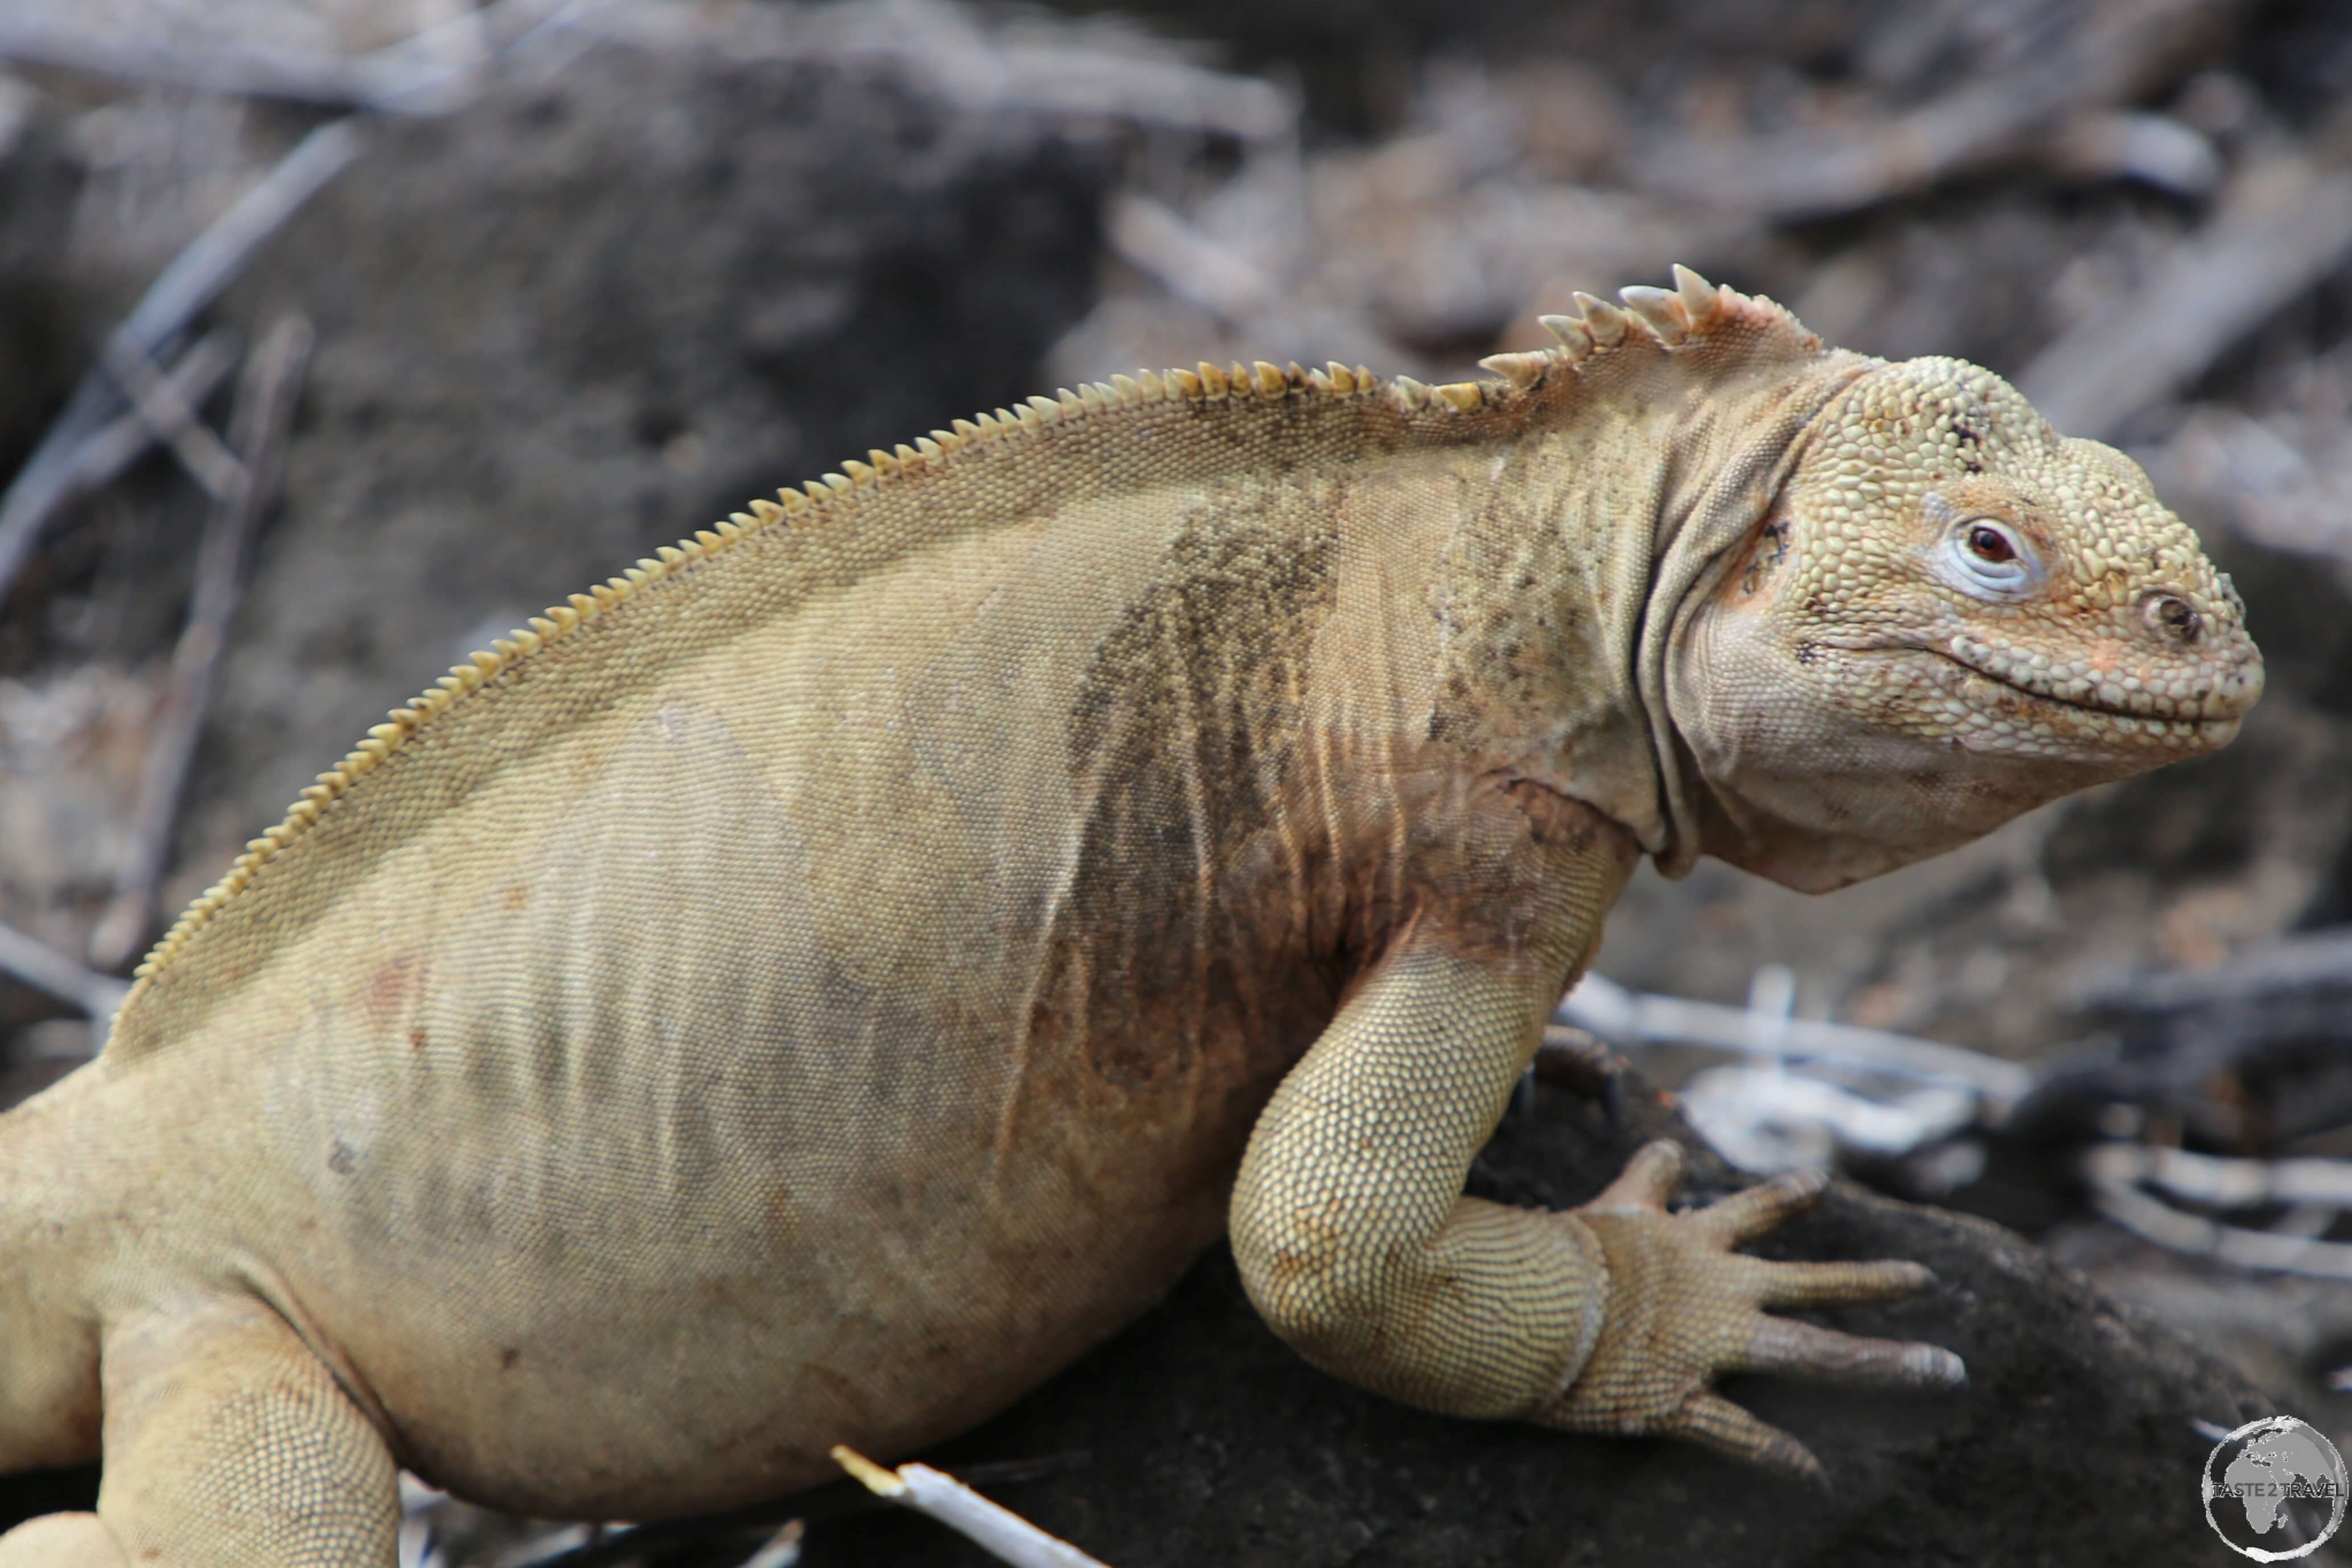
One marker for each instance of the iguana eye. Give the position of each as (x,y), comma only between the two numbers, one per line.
(2173,617)
(1990,559)
(1988,543)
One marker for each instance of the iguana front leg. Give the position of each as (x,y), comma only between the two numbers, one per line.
(1356,1243)
(228,1445)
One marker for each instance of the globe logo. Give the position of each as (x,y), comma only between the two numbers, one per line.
(2266,1484)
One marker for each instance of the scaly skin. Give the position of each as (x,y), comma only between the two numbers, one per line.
(809,991)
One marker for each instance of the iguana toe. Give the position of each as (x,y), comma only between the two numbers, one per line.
(1714,1422)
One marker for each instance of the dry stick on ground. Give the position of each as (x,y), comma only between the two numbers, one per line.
(173,421)
(265,404)
(2113,54)
(2284,224)
(99,458)
(106,452)
(781,1550)
(2249,1054)
(42,38)
(981,72)
(416,75)
(1155,239)
(1603,1008)
(45,968)
(2116,1170)
(54,473)
(823,1504)
(997,1530)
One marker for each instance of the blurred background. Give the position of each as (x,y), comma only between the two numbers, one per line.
(339,336)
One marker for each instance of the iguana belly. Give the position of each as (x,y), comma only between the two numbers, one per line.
(686,1299)
(626,1213)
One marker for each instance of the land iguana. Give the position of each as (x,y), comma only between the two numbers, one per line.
(811,987)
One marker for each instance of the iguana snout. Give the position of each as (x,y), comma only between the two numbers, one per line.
(1952,614)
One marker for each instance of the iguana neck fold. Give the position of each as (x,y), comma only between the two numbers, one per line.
(1557,635)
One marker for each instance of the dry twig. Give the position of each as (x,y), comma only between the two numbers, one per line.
(996,1530)
(45,968)
(264,406)
(1154,238)
(2115,1171)
(1605,1009)
(56,472)
(982,71)
(840,1501)
(781,1550)
(2114,51)
(172,420)
(101,456)
(429,73)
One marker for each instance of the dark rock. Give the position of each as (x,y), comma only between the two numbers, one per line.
(1211,1443)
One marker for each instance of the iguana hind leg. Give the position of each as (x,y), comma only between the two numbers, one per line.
(1356,1243)
(228,1445)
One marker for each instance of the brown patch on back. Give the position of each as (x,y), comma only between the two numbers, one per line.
(1182,736)
(1521,598)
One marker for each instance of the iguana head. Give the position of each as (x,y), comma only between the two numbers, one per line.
(1950,613)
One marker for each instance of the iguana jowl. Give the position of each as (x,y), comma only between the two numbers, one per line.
(809,989)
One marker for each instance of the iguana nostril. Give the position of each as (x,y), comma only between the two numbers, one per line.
(2174,617)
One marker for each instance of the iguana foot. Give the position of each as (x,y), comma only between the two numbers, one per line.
(1682,1309)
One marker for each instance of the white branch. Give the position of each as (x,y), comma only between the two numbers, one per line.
(2225,1183)
(429,73)
(1603,1008)
(2115,1171)
(997,1530)
(45,968)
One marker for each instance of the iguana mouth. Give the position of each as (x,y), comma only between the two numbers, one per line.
(2175,721)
